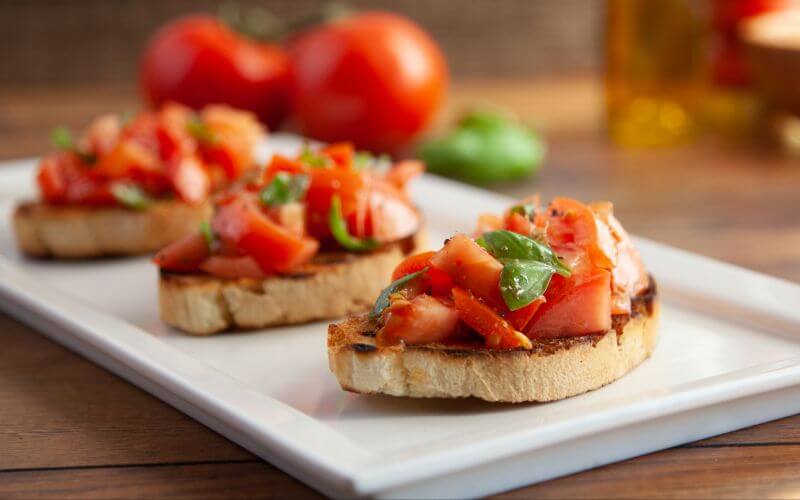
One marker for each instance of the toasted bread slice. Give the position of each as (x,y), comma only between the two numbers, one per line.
(75,232)
(331,286)
(555,368)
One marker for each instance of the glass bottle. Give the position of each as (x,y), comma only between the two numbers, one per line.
(656,66)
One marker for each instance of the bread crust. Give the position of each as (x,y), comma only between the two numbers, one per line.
(554,369)
(78,232)
(333,285)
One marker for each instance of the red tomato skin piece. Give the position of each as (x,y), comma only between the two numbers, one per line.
(190,180)
(439,283)
(422,320)
(242,225)
(575,306)
(185,255)
(499,334)
(471,268)
(520,318)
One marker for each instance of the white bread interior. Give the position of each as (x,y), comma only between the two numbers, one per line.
(76,232)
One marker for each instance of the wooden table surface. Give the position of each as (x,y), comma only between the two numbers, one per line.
(70,429)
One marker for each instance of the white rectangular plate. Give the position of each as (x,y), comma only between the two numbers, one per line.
(728,357)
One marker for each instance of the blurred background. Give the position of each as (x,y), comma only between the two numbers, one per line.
(681,111)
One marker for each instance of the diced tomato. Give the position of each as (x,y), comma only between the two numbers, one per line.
(578,305)
(573,224)
(520,318)
(488,222)
(519,224)
(412,264)
(326,182)
(280,163)
(422,320)
(403,172)
(340,153)
(471,267)
(232,267)
(125,157)
(242,225)
(101,136)
(439,282)
(185,255)
(390,217)
(222,157)
(88,189)
(292,216)
(189,180)
(499,334)
(52,178)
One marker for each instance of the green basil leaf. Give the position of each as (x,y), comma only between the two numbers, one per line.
(284,188)
(364,159)
(523,281)
(131,196)
(339,230)
(62,138)
(526,210)
(312,158)
(200,131)
(208,234)
(383,299)
(510,245)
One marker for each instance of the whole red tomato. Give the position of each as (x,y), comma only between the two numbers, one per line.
(375,79)
(197,60)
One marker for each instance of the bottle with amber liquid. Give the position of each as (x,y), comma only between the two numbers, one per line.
(656,70)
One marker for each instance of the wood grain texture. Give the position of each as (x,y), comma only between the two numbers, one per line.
(70,429)
(100,40)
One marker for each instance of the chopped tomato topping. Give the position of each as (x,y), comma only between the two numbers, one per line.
(246,228)
(488,222)
(340,153)
(186,254)
(572,224)
(402,173)
(279,223)
(471,268)
(519,224)
(422,320)
(498,332)
(412,264)
(157,152)
(439,283)
(520,318)
(578,305)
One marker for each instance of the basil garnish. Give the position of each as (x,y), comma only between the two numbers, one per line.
(528,266)
(364,159)
(130,196)
(200,131)
(284,188)
(208,234)
(312,158)
(527,210)
(383,299)
(62,138)
(339,230)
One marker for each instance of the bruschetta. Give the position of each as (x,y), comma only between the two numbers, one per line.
(132,186)
(316,237)
(537,305)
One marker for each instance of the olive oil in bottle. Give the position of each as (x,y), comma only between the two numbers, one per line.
(656,66)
